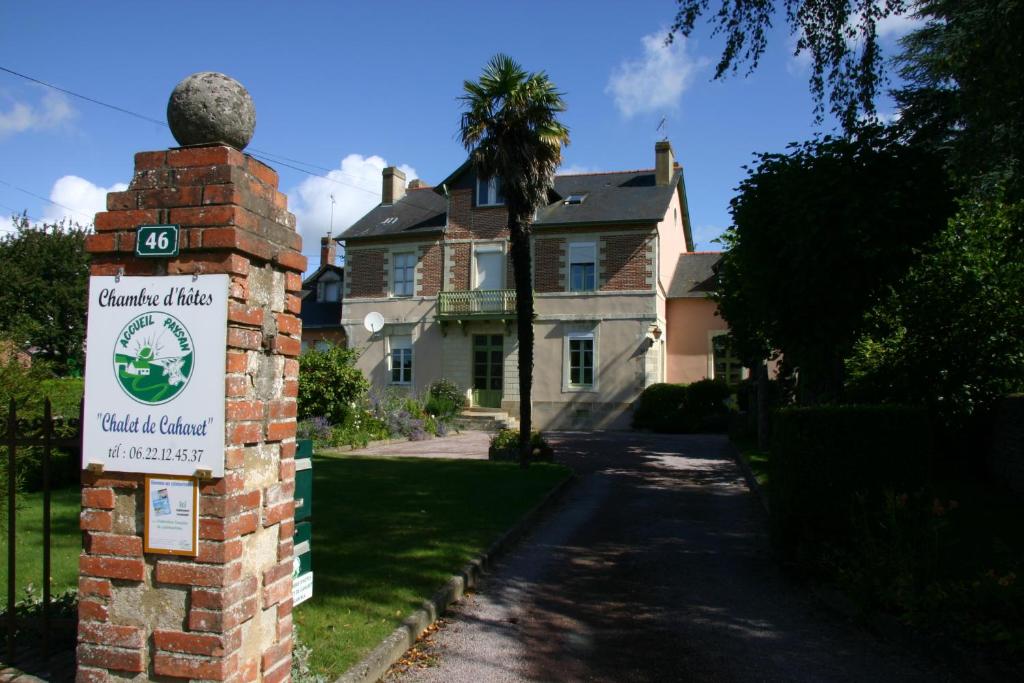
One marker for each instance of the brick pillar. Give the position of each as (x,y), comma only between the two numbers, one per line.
(226,614)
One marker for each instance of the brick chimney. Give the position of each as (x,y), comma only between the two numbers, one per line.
(665,162)
(394,185)
(328,251)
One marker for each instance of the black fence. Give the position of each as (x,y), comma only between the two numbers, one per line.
(39,441)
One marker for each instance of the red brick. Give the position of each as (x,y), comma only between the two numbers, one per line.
(215,552)
(278,431)
(292,303)
(287,528)
(279,674)
(285,624)
(244,410)
(111,634)
(102,498)
(112,265)
(92,610)
(231,482)
(112,567)
(186,666)
(106,480)
(122,201)
(212,262)
(282,492)
(286,470)
(275,654)
(202,216)
(237,387)
(96,520)
(244,339)
(272,514)
(116,658)
(280,409)
(101,243)
(219,621)
(293,282)
(95,587)
(205,156)
(245,433)
(218,529)
(223,194)
(224,598)
(208,644)
(288,324)
(170,197)
(288,449)
(291,368)
(237,361)
(149,160)
(124,220)
(88,675)
(234,457)
(277,572)
(291,260)
(286,549)
(290,388)
(113,544)
(192,574)
(249,672)
(245,315)
(207,175)
(262,172)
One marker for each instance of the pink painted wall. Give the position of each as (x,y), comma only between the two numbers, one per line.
(687,344)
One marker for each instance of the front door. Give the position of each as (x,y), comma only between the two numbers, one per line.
(488,367)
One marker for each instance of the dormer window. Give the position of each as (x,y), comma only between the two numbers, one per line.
(329,288)
(488,192)
(574,199)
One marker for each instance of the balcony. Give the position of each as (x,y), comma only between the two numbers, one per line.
(481,304)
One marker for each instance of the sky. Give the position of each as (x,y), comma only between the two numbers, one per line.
(343,89)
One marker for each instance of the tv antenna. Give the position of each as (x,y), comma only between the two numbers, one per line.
(661,126)
(331,231)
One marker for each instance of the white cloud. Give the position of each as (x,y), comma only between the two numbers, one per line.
(52,111)
(576,169)
(356,186)
(899,25)
(77,200)
(657,80)
(892,27)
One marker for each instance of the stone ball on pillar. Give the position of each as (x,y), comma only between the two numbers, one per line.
(209,108)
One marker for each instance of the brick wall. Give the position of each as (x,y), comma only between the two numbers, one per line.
(626,262)
(431,265)
(461,257)
(366,274)
(549,260)
(465,221)
(226,614)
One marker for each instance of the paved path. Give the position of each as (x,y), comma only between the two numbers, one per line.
(655,568)
(469,445)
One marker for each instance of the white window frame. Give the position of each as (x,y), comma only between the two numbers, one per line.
(572,260)
(488,192)
(744,373)
(411,281)
(322,294)
(579,335)
(400,342)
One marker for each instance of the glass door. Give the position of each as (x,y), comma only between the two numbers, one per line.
(488,369)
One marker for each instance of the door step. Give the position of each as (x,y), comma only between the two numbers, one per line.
(484,420)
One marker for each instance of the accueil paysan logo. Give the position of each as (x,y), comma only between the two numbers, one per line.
(154,357)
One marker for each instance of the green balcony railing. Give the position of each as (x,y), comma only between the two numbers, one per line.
(477,304)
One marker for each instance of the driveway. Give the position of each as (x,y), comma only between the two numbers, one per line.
(468,445)
(655,567)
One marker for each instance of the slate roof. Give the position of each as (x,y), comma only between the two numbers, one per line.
(695,275)
(421,211)
(620,197)
(319,313)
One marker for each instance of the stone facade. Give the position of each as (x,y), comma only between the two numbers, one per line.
(224,615)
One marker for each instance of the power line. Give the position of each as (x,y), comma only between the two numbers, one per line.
(48,201)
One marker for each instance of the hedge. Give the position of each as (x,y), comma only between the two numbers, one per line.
(822,457)
(683,408)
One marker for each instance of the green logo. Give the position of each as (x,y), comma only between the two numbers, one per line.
(154,357)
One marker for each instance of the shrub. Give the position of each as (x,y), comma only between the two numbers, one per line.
(822,458)
(505,446)
(684,408)
(330,385)
(446,393)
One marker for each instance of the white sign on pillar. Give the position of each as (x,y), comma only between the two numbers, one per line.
(154,374)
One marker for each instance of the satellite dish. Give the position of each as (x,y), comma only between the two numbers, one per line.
(373,322)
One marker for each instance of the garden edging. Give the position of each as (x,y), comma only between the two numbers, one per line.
(374,665)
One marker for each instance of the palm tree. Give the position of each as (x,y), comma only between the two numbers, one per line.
(511,132)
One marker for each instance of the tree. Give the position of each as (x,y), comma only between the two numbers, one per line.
(965,90)
(818,235)
(840,36)
(511,131)
(45,273)
(330,383)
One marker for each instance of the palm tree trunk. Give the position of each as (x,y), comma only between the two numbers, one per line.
(519,236)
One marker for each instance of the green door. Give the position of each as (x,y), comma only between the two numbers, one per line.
(488,363)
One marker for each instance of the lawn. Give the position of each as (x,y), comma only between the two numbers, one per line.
(389,532)
(66,543)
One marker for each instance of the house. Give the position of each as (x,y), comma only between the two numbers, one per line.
(322,300)
(430,267)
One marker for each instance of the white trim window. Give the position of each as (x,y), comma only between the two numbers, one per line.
(488,192)
(582,266)
(723,364)
(404,273)
(400,358)
(581,366)
(329,288)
